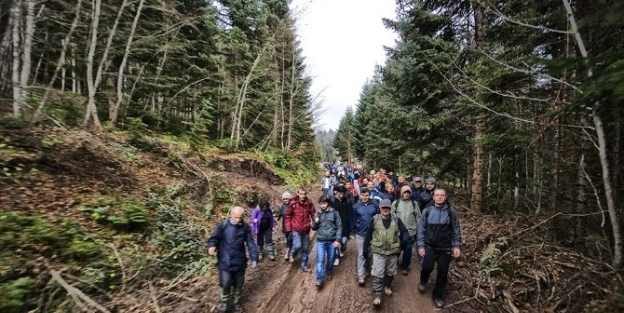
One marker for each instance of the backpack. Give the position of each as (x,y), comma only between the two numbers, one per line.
(395,207)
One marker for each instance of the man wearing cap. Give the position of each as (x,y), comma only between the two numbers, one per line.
(417,188)
(286,196)
(426,195)
(386,234)
(408,211)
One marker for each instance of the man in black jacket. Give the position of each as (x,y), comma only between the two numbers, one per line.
(344,205)
(228,243)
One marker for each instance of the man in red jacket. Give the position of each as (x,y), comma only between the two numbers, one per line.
(298,219)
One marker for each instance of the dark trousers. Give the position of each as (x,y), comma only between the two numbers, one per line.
(265,236)
(227,280)
(443,258)
(406,259)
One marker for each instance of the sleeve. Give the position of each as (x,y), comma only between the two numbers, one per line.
(353,219)
(311,209)
(288,217)
(369,236)
(404,233)
(215,238)
(339,224)
(251,244)
(422,224)
(272,218)
(457,241)
(395,204)
(315,225)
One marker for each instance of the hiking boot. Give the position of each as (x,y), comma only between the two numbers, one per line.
(238,307)
(377,302)
(286,256)
(329,277)
(439,303)
(405,271)
(223,307)
(259,256)
(421,288)
(291,259)
(319,283)
(387,291)
(336,262)
(271,257)
(361,282)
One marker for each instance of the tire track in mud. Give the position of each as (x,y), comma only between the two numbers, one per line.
(278,286)
(282,287)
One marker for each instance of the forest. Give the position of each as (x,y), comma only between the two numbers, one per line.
(517,103)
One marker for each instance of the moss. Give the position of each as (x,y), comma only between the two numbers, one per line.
(17,295)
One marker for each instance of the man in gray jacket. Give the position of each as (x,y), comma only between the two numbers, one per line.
(408,210)
(328,227)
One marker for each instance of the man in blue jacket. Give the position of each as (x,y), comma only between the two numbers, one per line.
(439,239)
(363,212)
(228,243)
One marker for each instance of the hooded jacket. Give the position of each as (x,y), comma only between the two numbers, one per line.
(298,215)
(230,240)
(408,211)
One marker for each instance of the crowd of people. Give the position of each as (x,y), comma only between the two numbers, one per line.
(386,218)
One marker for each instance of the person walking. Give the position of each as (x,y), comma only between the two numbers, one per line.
(298,222)
(228,242)
(363,212)
(328,227)
(408,211)
(286,196)
(425,198)
(439,239)
(387,235)
(262,224)
(344,206)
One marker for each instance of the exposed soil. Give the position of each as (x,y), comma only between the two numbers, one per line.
(278,286)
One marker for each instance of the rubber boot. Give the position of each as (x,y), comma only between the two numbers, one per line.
(387,282)
(378,285)
(270,252)
(238,293)
(225,296)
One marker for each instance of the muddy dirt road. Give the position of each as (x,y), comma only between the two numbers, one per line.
(278,286)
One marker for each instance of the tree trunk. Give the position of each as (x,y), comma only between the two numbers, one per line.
(29,30)
(15,75)
(602,152)
(476,199)
(60,64)
(113,112)
(91,87)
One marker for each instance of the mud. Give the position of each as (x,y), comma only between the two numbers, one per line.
(278,286)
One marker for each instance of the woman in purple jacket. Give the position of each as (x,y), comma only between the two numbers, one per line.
(262,224)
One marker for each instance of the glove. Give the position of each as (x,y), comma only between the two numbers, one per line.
(254,264)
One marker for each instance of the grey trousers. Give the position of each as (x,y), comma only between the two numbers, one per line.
(384,269)
(361,258)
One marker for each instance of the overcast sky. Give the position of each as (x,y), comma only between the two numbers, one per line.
(342,41)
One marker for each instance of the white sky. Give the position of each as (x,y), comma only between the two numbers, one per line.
(342,41)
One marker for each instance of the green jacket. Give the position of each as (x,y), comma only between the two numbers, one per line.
(409,213)
(386,240)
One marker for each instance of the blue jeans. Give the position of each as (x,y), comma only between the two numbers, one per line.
(406,260)
(300,242)
(324,249)
(343,247)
